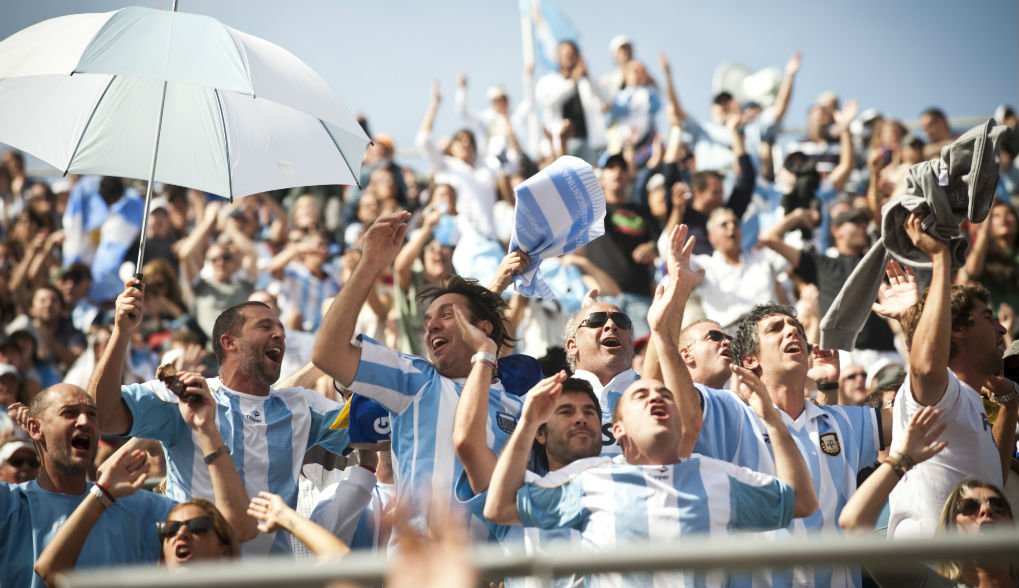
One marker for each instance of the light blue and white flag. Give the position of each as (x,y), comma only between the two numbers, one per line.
(558,210)
(100,235)
(549,27)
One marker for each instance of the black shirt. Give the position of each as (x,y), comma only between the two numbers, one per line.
(830,273)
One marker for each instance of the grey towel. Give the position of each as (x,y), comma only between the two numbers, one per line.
(959,186)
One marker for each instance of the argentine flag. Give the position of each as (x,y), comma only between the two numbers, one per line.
(559,209)
(549,27)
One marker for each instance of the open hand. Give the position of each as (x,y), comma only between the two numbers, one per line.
(919,440)
(899,294)
(124,472)
(540,400)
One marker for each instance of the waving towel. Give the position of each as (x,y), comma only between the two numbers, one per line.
(957,187)
(558,210)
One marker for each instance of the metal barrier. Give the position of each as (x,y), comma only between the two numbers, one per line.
(737,552)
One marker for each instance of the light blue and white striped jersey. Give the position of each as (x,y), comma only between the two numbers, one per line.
(614,503)
(267,436)
(608,395)
(516,539)
(836,442)
(422,404)
(302,291)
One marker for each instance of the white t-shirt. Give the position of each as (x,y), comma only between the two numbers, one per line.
(729,291)
(916,501)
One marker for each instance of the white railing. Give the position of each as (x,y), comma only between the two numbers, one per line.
(738,552)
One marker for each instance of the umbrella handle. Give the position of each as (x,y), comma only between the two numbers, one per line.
(138,277)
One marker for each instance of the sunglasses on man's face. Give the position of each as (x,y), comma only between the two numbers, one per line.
(198,526)
(717,336)
(17,462)
(969,507)
(597,320)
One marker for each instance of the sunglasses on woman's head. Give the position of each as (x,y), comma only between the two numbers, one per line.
(971,506)
(197,526)
(597,320)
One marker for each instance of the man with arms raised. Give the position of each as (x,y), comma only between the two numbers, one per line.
(266,430)
(665,492)
(421,395)
(955,358)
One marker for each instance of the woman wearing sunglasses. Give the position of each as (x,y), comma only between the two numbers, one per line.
(972,507)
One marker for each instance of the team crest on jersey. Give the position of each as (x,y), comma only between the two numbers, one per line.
(506,421)
(830,444)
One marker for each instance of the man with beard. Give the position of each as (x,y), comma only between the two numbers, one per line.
(266,431)
(62,421)
(420,394)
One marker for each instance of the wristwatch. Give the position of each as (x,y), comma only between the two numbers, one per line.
(1007,397)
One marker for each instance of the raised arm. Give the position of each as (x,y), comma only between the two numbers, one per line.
(510,468)
(404,263)
(122,475)
(199,412)
(275,514)
(470,423)
(665,317)
(977,255)
(918,443)
(785,91)
(789,465)
(104,386)
(334,353)
(929,352)
(847,155)
(675,107)
(773,238)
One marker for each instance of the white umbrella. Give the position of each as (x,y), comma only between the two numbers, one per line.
(176,98)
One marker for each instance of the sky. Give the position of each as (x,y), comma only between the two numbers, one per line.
(381,55)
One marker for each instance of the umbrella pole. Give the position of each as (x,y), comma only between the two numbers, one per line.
(148,189)
(152,177)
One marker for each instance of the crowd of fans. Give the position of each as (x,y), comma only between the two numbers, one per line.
(289,368)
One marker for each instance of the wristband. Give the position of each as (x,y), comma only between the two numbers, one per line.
(222,450)
(900,462)
(367,467)
(827,385)
(103,495)
(484,357)
(1007,397)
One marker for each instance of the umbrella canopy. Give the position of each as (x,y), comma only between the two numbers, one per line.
(241,115)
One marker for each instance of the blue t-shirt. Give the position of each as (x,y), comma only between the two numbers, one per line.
(30,517)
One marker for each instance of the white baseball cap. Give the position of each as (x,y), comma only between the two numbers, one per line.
(617,42)
(11,447)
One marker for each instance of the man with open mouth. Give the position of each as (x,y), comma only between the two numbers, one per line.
(420,394)
(266,430)
(63,424)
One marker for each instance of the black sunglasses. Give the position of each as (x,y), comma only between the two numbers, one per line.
(971,506)
(596,320)
(17,462)
(197,526)
(717,336)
